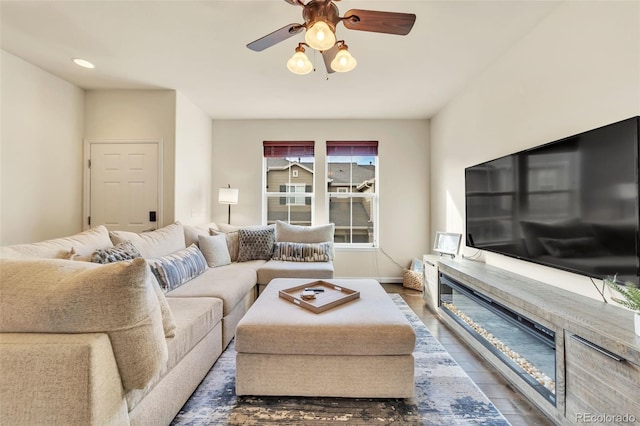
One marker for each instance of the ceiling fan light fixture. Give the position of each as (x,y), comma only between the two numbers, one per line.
(83,63)
(320,36)
(343,62)
(299,63)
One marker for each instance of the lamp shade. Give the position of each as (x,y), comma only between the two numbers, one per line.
(299,63)
(228,195)
(320,36)
(343,61)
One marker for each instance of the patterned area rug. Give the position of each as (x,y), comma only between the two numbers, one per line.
(444,395)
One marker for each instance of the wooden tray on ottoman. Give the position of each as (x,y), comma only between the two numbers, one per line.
(332,296)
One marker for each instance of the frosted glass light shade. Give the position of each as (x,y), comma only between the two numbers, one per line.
(299,63)
(228,195)
(343,61)
(320,36)
(83,63)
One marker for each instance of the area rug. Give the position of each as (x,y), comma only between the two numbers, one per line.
(444,395)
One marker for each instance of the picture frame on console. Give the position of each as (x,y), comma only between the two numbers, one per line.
(447,243)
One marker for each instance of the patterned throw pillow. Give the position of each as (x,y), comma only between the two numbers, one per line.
(177,268)
(256,243)
(122,251)
(302,252)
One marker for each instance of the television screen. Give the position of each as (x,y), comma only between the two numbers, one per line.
(570,204)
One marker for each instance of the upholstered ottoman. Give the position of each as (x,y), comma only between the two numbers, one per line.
(363,348)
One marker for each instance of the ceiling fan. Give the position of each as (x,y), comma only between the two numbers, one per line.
(320,20)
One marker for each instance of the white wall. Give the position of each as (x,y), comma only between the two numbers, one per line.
(41,154)
(137,114)
(194,134)
(577,70)
(404,176)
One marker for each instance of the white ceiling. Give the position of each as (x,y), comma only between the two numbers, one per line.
(198,48)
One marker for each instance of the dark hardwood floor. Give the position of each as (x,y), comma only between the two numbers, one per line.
(518,410)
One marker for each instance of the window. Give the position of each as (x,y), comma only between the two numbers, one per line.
(299,188)
(288,169)
(352,176)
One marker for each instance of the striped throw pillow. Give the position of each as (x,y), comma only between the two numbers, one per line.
(177,268)
(302,252)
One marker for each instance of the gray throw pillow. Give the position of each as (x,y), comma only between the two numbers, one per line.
(256,243)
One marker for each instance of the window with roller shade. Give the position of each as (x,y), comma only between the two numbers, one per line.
(288,170)
(352,182)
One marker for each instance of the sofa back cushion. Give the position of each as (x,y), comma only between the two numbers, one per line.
(62,296)
(192,232)
(158,243)
(286,232)
(84,244)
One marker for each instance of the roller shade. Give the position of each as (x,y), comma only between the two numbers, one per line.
(351,148)
(283,149)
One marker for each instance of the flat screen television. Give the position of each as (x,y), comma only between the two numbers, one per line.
(570,204)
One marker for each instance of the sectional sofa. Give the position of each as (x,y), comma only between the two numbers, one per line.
(127,342)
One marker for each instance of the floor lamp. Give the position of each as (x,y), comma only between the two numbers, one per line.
(228,196)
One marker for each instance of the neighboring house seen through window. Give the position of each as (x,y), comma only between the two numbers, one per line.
(351,187)
(288,175)
(352,191)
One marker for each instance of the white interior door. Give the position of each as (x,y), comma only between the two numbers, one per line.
(124,190)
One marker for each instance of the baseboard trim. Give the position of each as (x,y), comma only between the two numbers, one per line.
(382,280)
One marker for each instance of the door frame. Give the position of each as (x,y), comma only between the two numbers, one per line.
(86,181)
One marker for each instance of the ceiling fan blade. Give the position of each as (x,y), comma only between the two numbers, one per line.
(275,37)
(295,2)
(328,56)
(379,22)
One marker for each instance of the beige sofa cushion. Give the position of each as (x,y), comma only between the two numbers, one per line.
(168,319)
(285,269)
(195,318)
(191,232)
(84,244)
(60,379)
(230,283)
(62,296)
(304,234)
(156,243)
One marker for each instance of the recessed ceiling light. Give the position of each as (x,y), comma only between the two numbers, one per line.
(83,63)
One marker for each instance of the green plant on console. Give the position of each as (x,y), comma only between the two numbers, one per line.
(630,293)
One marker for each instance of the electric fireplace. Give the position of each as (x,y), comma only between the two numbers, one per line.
(527,347)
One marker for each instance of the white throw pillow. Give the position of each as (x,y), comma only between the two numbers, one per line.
(215,250)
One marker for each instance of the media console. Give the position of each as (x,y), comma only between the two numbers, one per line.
(576,358)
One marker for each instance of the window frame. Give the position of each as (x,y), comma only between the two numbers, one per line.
(304,151)
(369,149)
(299,194)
